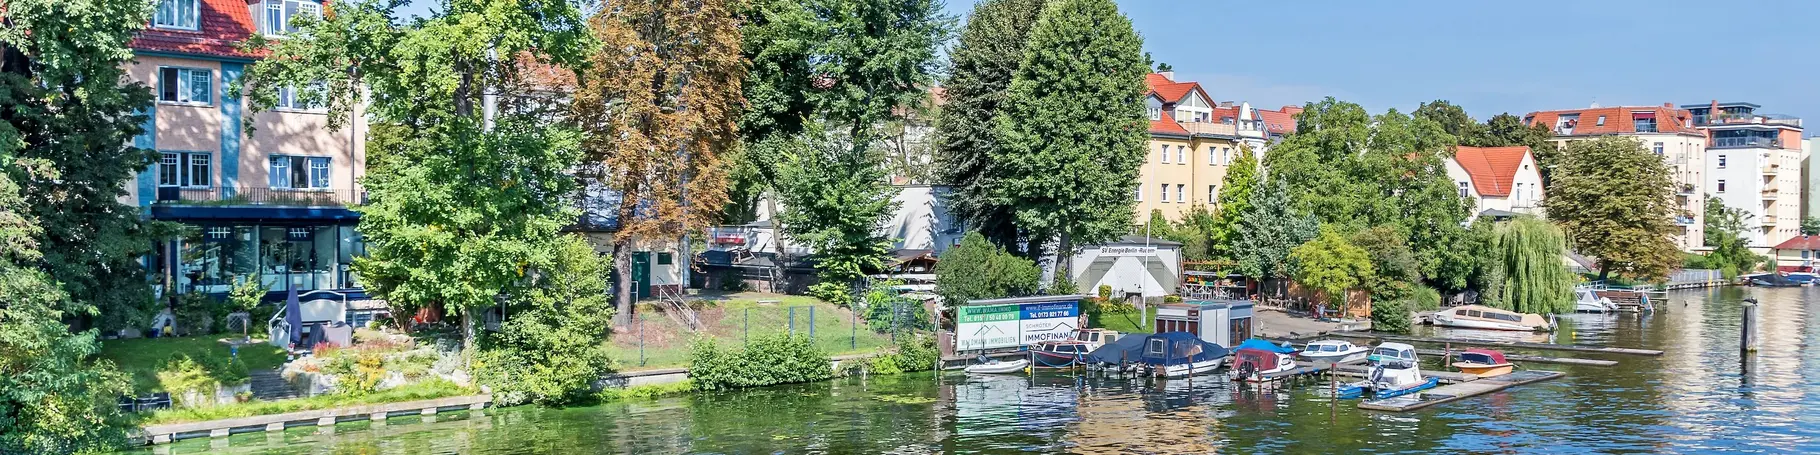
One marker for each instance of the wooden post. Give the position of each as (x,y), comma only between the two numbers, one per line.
(1747,331)
(1448,353)
(1333,398)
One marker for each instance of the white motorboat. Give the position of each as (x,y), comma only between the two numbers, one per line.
(1334,351)
(1588,300)
(1488,318)
(996,366)
(1395,371)
(1255,359)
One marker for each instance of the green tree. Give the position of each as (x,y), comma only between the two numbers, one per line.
(1072,128)
(1397,270)
(658,103)
(1538,282)
(1810,226)
(68,105)
(1723,222)
(1616,201)
(1332,265)
(461,204)
(548,348)
(1267,232)
(1453,120)
(1235,201)
(1195,232)
(982,63)
(978,269)
(1488,273)
(835,199)
(1504,130)
(1390,316)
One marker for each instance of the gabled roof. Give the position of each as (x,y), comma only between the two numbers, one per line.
(1278,122)
(221,27)
(1170,91)
(1618,120)
(1492,168)
(1800,242)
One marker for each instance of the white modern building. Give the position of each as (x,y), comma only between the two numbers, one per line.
(1666,130)
(1754,164)
(1498,179)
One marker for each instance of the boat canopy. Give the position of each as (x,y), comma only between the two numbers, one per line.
(1485,356)
(1128,349)
(1176,348)
(1267,346)
(1260,359)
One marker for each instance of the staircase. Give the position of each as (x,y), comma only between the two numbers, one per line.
(269,385)
(678,307)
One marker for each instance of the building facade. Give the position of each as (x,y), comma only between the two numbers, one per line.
(1665,130)
(1193,142)
(1503,179)
(1754,164)
(270,202)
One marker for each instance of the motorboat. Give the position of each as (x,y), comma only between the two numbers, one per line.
(1255,358)
(1771,280)
(1488,318)
(1588,300)
(1124,354)
(996,366)
(1059,353)
(1483,363)
(1334,351)
(1095,337)
(1394,371)
(1802,278)
(1181,354)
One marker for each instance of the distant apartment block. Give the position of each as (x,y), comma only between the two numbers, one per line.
(1193,141)
(1754,164)
(1500,181)
(1667,131)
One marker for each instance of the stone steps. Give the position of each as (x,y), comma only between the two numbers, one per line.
(269,385)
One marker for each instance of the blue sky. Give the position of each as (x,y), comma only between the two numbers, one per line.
(1488,58)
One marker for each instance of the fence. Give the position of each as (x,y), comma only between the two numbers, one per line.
(656,339)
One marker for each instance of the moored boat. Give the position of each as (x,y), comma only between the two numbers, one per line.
(998,366)
(1488,318)
(1483,363)
(1256,358)
(1394,371)
(1059,353)
(1334,351)
(1181,354)
(1587,300)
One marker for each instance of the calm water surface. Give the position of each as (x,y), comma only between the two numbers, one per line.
(1698,397)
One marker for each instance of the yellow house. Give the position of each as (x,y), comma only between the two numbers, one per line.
(1189,151)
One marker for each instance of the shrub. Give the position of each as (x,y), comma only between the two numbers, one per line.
(188,382)
(1172,299)
(1390,316)
(978,269)
(918,354)
(550,350)
(645,391)
(835,293)
(1425,298)
(766,360)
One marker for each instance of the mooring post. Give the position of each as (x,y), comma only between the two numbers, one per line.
(1448,353)
(1333,398)
(1747,331)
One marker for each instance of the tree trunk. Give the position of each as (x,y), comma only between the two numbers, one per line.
(777,238)
(467,338)
(1604,270)
(622,286)
(1064,257)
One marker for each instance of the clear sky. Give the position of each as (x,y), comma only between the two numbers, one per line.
(1488,57)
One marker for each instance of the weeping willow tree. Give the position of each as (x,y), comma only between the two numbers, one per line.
(1536,281)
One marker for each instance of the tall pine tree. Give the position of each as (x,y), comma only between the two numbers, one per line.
(990,49)
(1072,128)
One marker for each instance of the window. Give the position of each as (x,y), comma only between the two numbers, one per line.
(1601,121)
(1181,193)
(1517,195)
(187,169)
(177,14)
(1223,158)
(298,172)
(1658,149)
(279,13)
(1463,190)
(1164,194)
(1213,193)
(1721,187)
(1181,154)
(665,259)
(184,85)
(293,98)
(1165,153)
(1156,113)
(1210,160)
(1137,193)
(1721,161)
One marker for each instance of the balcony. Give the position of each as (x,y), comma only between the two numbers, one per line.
(1725,118)
(1685,189)
(1684,220)
(1210,129)
(1770,169)
(259,196)
(1745,142)
(1769,194)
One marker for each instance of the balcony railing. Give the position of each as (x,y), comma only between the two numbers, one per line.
(1770,169)
(1769,194)
(1740,142)
(1746,119)
(1685,189)
(1208,128)
(260,196)
(1684,220)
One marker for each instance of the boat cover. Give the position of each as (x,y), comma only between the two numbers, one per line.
(1485,356)
(1259,359)
(1267,346)
(1176,348)
(1129,349)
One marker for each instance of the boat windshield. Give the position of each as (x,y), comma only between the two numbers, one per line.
(1475,357)
(1388,353)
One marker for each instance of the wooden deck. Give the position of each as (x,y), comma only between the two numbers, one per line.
(1446,377)
(162,434)
(1458,391)
(1502,344)
(1531,358)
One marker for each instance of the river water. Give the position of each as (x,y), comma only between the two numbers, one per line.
(1700,396)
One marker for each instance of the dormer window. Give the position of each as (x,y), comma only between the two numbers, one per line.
(279,13)
(1156,113)
(177,14)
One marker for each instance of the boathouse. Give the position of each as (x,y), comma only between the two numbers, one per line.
(1223,322)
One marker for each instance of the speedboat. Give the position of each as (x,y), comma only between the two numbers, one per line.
(996,366)
(1588,300)
(1059,353)
(1257,358)
(1394,371)
(1488,318)
(1334,351)
(1181,354)
(1483,363)
(1802,278)
(1770,280)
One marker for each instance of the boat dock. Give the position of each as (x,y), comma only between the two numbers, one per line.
(1446,377)
(1458,390)
(1502,344)
(1531,358)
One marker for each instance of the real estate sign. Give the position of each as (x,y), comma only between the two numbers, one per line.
(1003,326)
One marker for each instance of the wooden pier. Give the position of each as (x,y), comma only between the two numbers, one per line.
(1458,391)
(1502,344)
(163,434)
(1531,358)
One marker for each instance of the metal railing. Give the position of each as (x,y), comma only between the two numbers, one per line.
(1209,128)
(260,196)
(1720,142)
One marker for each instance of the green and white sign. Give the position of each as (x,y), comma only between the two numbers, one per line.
(1003,326)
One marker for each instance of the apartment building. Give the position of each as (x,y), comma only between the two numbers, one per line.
(1754,164)
(1500,181)
(1193,141)
(1666,130)
(271,203)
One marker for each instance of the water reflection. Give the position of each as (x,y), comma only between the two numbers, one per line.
(1700,396)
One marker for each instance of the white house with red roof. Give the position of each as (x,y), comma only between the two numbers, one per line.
(1501,181)
(1797,254)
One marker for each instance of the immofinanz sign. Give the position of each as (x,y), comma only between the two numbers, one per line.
(1018,322)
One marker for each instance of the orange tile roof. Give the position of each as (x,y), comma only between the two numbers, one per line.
(1277,122)
(1492,168)
(1171,91)
(220,29)
(1167,125)
(1618,120)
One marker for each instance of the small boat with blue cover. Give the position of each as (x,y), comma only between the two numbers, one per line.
(1181,354)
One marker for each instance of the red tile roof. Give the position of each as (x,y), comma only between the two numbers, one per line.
(1618,120)
(1800,242)
(1492,168)
(1278,122)
(223,25)
(1167,125)
(1171,91)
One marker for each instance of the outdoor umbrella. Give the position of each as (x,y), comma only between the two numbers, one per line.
(293,316)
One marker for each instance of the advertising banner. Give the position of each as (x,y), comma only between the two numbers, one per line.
(1011,325)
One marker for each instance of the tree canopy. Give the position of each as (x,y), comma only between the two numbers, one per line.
(982,63)
(1615,199)
(1331,264)
(1267,233)
(978,269)
(1530,251)
(1235,201)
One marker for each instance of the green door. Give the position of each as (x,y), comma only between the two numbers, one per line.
(641,275)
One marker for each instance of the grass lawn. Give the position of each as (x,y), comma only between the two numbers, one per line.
(424,390)
(731,318)
(1128,322)
(143,357)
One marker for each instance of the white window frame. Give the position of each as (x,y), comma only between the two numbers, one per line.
(1137,194)
(175,19)
(1721,164)
(1720,188)
(1181,193)
(178,169)
(1465,191)
(1156,113)
(198,163)
(1165,153)
(1164,197)
(284,15)
(1181,154)
(290,99)
(185,94)
(1213,194)
(318,172)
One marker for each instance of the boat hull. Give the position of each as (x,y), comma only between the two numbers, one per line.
(1054,360)
(1189,369)
(1337,357)
(998,367)
(1483,325)
(1484,370)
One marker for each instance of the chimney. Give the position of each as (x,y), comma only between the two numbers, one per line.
(1170,75)
(1668,105)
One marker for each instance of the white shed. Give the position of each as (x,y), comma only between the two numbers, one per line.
(1133,266)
